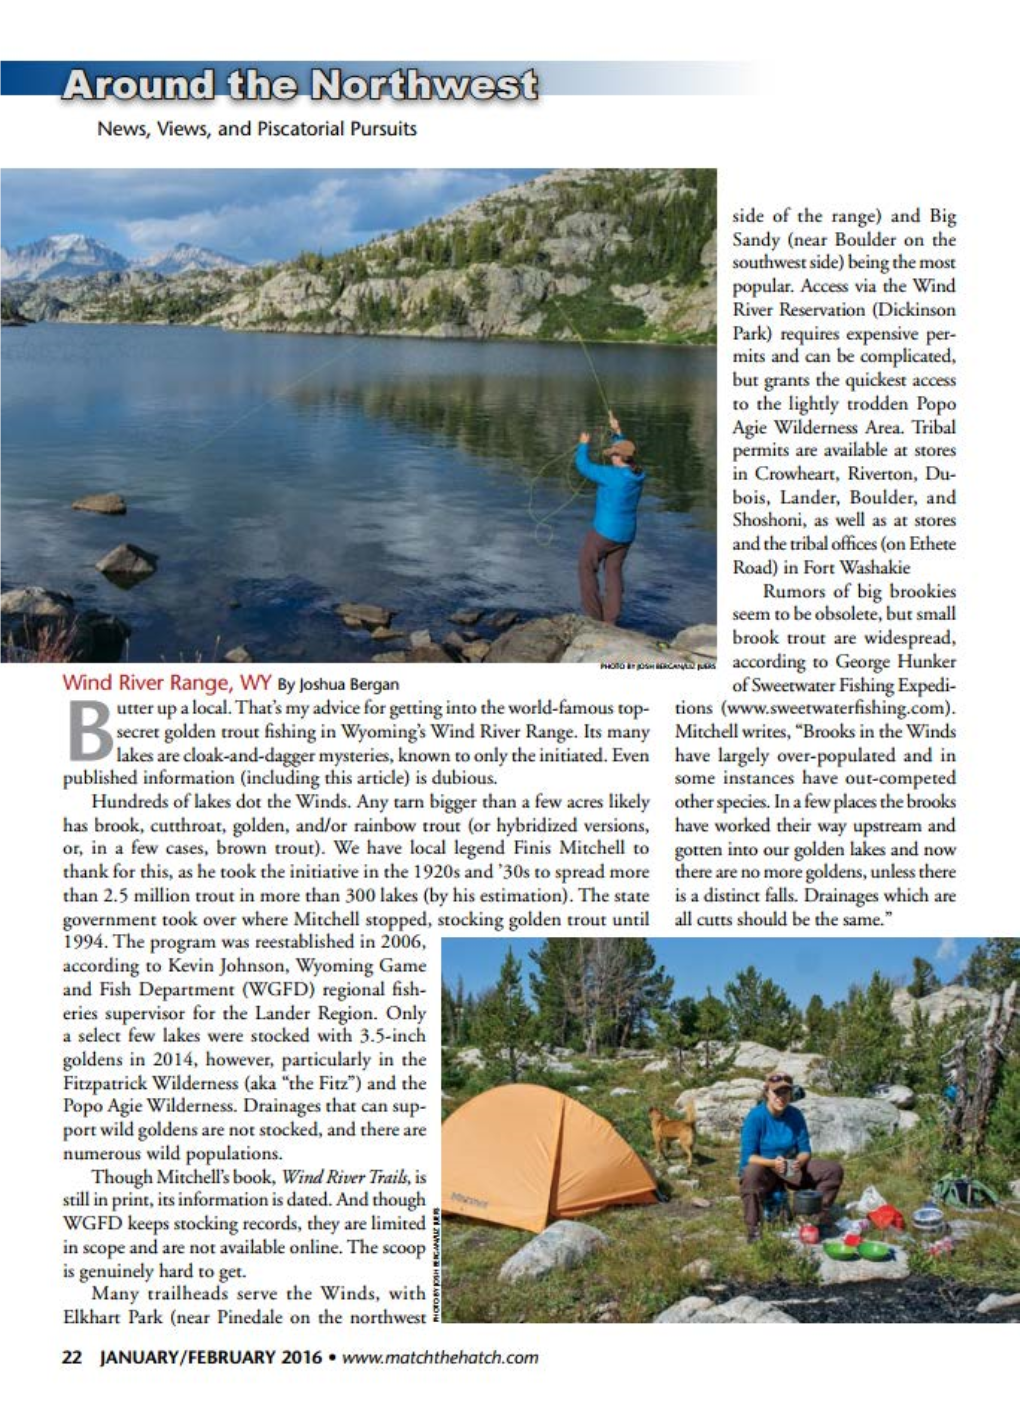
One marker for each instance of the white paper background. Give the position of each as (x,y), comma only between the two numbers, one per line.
(876,103)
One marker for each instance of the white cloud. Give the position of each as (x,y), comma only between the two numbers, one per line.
(320,218)
(947,951)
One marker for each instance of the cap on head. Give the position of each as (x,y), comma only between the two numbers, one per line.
(622,448)
(778,1080)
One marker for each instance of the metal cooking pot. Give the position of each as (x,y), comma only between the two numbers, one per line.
(807,1201)
(929,1219)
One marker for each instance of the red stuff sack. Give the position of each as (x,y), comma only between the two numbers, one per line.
(887,1216)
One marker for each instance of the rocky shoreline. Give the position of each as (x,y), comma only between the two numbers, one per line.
(38,624)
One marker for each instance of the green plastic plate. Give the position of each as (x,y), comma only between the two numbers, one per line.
(842,1252)
(875,1252)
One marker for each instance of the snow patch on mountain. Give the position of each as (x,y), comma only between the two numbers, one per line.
(78,256)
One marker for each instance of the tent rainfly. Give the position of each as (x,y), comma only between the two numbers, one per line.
(524,1155)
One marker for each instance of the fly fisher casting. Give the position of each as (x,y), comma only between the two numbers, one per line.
(618,487)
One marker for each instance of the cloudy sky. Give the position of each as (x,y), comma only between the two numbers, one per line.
(251,215)
(802,966)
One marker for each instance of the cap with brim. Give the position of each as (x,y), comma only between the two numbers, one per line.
(623,447)
(778,1079)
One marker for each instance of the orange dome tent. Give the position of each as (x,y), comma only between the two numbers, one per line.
(524,1155)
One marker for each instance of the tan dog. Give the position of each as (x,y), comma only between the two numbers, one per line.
(683,1132)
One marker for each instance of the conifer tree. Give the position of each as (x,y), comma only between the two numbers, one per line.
(819,1025)
(760,1010)
(925,981)
(994,964)
(505,1026)
(868,1045)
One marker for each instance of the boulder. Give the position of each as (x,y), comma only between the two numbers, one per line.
(571,638)
(839,1124)
(721,1108)
(238,655)
(833,1273)
(940,1005)
(477,651)
(427,653)
(365,616)
(110,504)
(537,641)
(739,1311)
(563,1244)
(699,1268)
(896,1095)
(419,638)
(846,1124)
(33,603)
(759,1056)
(466,616)
(127,565)
(996,1301)
(657,1065)
(593,642)
(43,625)
(698,639)
(98,637)
(809,1068)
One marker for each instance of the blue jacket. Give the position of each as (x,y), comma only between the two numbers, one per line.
(770,1136)
(617,497)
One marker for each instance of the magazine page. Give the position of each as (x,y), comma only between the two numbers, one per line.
(364,1020)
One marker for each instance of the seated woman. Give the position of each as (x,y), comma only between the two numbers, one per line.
(775,1152)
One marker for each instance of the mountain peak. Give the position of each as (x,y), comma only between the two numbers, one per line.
(186,258)
(76,255)
(61,256)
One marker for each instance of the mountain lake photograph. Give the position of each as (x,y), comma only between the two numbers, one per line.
(344,416)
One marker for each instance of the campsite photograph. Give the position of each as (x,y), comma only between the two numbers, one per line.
(460,416)
(784,1131)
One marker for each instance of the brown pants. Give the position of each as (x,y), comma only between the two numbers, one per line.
(598,551)
(758,1181)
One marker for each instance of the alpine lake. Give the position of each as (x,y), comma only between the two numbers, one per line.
(275,476)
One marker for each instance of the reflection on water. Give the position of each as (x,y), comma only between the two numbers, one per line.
(277,475)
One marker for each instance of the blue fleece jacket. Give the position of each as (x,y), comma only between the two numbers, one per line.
(617,497)
(771,1136)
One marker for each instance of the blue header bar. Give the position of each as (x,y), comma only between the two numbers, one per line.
(555,79)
